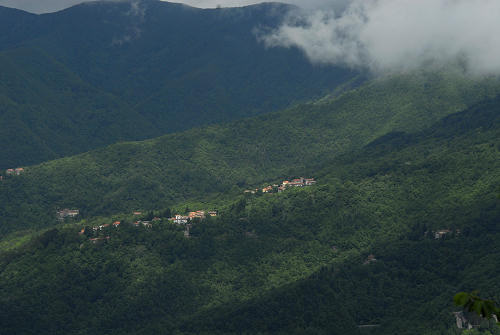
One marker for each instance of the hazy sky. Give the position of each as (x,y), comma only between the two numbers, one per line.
(44,6)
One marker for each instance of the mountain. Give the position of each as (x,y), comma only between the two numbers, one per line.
(145,67)
(357,249)
(47,111)
(224,159)
(34,6)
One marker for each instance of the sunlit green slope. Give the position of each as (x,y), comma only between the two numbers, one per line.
(289,263)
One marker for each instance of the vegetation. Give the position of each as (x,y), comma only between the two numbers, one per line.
(357,249)
(216,162)
(471,302)
(100,73)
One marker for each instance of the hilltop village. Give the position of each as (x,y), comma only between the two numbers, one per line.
(94,233)
(95,236)
(275,188)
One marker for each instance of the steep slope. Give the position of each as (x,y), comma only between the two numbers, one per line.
(221,159)
(177,66)
(47,111)
(267,265)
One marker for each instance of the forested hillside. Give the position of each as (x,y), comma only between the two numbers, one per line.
(46,111)
(225,159)
(359,248)
(104,72)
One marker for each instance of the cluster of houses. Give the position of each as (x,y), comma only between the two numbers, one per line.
(179,219)
(101,227)
(183,219)
(299,182)
(67,213)
(14,172)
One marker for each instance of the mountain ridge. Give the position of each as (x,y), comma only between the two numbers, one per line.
(175,67)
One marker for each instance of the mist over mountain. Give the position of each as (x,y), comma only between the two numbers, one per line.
(397,35)
(175,66)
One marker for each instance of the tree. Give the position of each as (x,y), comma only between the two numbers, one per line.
(473,303)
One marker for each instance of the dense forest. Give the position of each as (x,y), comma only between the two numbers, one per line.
(220,161)
(357,249)
(104,72)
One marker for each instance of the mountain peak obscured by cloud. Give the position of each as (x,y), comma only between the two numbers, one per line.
(398,35)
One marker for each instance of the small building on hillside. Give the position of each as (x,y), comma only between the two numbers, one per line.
(212,213)
(116,223)
(441,233)
(67,213)
(181,219)
(98,240)
(146,224)
(467,320)
(196,215)
(267,189)
(309,181)
(14,172)
(370,259)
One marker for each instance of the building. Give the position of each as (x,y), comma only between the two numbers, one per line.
(467,320)
(180,219)
(267,189)
(12,172)
(370,259)
(116,224)
(146,224)
(212,213)
(196,215)
(67,213)
(441,233)
(98,240)
(309,181)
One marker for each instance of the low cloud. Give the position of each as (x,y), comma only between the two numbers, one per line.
(398,35)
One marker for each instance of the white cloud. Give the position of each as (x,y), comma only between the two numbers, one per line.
(398,35)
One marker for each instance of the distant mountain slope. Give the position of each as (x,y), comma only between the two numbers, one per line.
(356,249)
(47,111)
(176,66)
(210,160)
